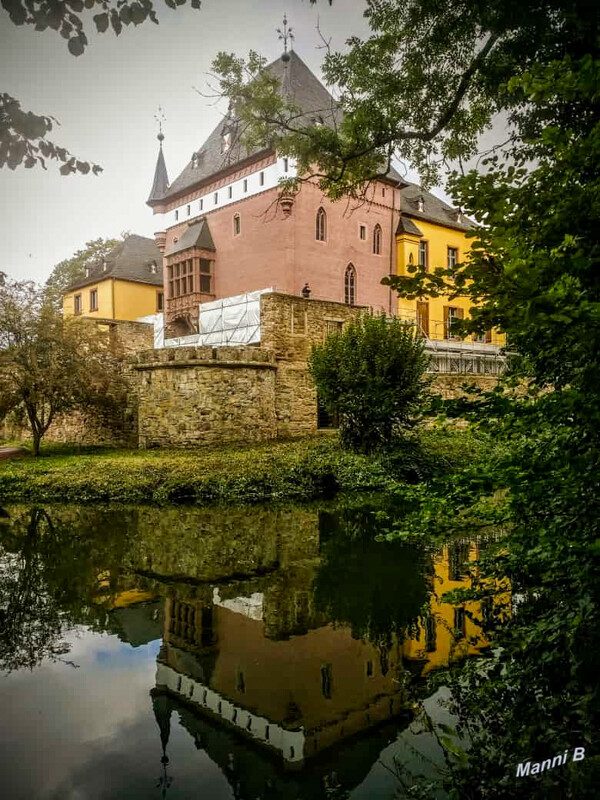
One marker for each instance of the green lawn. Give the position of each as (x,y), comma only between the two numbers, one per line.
(298,469)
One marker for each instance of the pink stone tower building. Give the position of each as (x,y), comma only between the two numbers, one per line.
(224,228)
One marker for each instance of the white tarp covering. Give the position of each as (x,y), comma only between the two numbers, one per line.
(230,321)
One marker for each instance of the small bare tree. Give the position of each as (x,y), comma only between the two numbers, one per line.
(48,364)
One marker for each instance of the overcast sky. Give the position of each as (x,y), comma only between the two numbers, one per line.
(106,100)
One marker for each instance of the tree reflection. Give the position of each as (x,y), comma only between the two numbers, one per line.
(377,588)
(31,621)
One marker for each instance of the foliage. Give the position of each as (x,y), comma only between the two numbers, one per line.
(301,469)
(377,589)
(371,377)
(72,269)
(421,87)
(23,134)
(48,364)
(32,624)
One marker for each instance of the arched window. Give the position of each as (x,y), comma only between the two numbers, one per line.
(321,225)
(237,225)
(350,285)
(377,239)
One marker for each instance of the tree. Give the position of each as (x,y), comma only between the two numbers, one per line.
(72,269)
(422,87)
(371,376)
(50,365)
(23,134)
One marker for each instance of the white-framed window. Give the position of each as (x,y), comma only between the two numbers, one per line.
(424,254)
(452,257)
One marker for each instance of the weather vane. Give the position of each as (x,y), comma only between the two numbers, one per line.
(285,34)
(160,118)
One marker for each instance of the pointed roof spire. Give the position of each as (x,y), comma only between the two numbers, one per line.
(286,35)
(161,178)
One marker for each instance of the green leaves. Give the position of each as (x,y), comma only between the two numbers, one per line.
(371,377)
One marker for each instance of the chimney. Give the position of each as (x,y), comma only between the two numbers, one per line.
(161,241)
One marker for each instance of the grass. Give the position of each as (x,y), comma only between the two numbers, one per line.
(296,470)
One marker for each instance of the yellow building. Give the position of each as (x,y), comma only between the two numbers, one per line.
(433,234)
(449,632)
(126,285)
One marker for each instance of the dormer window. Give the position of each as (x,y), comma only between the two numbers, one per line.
(104,266)
(194,160)
(153,268)
(225,141)
(421,203)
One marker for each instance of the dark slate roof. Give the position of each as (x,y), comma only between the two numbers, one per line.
(161,178)
(406,225)
(130,260)
(306,91)
(435,210)
(197,234)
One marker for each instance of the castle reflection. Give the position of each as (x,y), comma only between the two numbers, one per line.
(293,682)
(291,638)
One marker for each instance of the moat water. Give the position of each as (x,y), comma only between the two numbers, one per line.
(220,653)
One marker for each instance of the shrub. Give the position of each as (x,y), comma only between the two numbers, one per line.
(371,378)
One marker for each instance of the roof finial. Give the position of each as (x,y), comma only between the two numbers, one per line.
(160,118)
(285,34)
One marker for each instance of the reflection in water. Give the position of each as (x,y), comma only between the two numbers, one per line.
(288,636)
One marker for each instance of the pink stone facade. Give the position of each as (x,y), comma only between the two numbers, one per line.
(280,250)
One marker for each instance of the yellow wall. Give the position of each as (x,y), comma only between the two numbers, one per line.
(133,300)
(447,647)
(124,300)
(439,238)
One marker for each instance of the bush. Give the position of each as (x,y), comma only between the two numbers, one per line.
(371,378)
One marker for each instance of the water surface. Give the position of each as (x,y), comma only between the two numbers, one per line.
(241,653)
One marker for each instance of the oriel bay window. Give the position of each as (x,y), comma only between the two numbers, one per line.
(191,276)
(205,276)
(181,278)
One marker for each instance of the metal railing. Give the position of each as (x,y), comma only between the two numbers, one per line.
(459,356)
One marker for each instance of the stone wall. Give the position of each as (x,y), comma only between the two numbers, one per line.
(191,396)
(289,328)
(118,426)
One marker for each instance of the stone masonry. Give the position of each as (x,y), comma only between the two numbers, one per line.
(192,396)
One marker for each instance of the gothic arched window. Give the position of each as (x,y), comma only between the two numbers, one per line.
(350,285)
(377,239)
(321,225)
